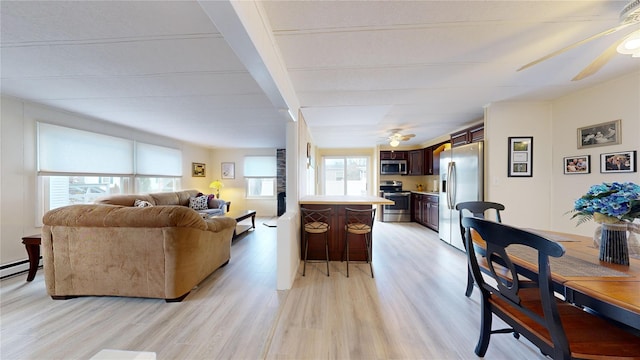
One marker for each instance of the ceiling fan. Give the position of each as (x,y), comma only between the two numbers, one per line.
(628,44)
(396,137)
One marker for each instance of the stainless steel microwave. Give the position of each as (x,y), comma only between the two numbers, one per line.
(393,167)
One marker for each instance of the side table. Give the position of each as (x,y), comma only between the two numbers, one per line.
(32,244)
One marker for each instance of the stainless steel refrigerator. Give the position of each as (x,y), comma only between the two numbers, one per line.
(461,179)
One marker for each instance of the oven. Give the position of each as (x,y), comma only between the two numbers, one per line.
(401,209)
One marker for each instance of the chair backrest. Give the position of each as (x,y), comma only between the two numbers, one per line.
(360,220)
(316,220)
(511,280)
(477,209)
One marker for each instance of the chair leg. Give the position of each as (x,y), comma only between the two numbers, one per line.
(306,250)
(469,284)
(326,247)
(485,329)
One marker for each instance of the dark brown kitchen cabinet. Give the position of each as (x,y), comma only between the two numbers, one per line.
(393,155)
(432,217)
(467,136)
(425,210)
(416,162)
(416,211)
(428,161)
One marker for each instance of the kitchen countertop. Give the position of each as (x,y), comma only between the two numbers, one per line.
(434,193)
(342,200)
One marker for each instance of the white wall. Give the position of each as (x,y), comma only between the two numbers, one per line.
(18,202)
(543,200)
(616,99)
(526,199)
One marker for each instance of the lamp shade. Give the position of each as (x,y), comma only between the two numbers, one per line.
(217,184)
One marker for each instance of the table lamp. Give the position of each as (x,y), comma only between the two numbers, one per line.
(217,184)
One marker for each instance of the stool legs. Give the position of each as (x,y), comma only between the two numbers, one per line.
(367,244)
(306,251)
(326,249)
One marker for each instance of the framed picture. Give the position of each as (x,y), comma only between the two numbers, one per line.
(520,156)
(579,164)
(607,133)
(618,162)
(228,170)
(198,169)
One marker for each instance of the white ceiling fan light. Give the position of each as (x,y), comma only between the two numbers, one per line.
(396,137)
(630,45)
(629,16)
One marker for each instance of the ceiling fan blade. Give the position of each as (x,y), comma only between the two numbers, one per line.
(558,52)
(600,61)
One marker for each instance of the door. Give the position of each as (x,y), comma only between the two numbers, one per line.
(469,184)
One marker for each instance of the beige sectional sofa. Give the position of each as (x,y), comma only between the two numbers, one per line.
(115,249)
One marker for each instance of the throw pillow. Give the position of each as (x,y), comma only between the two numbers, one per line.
(142,203)
(198,203)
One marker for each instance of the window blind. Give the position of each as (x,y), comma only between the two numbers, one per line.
(158,160)
(260,166)
(63,150)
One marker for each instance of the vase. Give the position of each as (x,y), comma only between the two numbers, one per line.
(613,243)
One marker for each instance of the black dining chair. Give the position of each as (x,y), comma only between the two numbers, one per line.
(528,303)
(477,209)
(359,223)
(314,223)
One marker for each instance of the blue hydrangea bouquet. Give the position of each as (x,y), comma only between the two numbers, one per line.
(608,203)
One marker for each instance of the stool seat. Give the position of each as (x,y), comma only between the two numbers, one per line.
(358,228)
(316,227)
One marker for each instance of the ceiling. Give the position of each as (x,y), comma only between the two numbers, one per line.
(357,69)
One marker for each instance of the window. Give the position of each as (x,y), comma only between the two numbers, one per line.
(345,175)
(260,176)
(145,184)
(69,190)
(77,167)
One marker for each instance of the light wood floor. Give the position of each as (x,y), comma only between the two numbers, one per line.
(415,308)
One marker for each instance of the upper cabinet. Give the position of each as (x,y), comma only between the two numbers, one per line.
(393,155)
(416,162)
(467,136)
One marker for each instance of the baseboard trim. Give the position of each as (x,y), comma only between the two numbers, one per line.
(15,268)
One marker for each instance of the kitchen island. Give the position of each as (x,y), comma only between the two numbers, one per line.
(338,205)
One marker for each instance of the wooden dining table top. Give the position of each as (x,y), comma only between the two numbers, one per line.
(618,287)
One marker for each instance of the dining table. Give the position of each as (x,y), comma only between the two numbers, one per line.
(611,290)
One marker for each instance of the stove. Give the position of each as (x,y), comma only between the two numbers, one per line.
(401,210)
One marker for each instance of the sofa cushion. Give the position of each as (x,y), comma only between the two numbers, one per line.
(210,212)
(142,203)
(216,204)
(198,203)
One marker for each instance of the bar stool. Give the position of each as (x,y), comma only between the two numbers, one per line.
(359,222)
(477,209)
(315,222)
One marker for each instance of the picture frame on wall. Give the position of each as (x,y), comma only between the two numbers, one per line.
(579,164)
(618,162)
(520,156)
(607,133)
(198,170)
(228,170)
